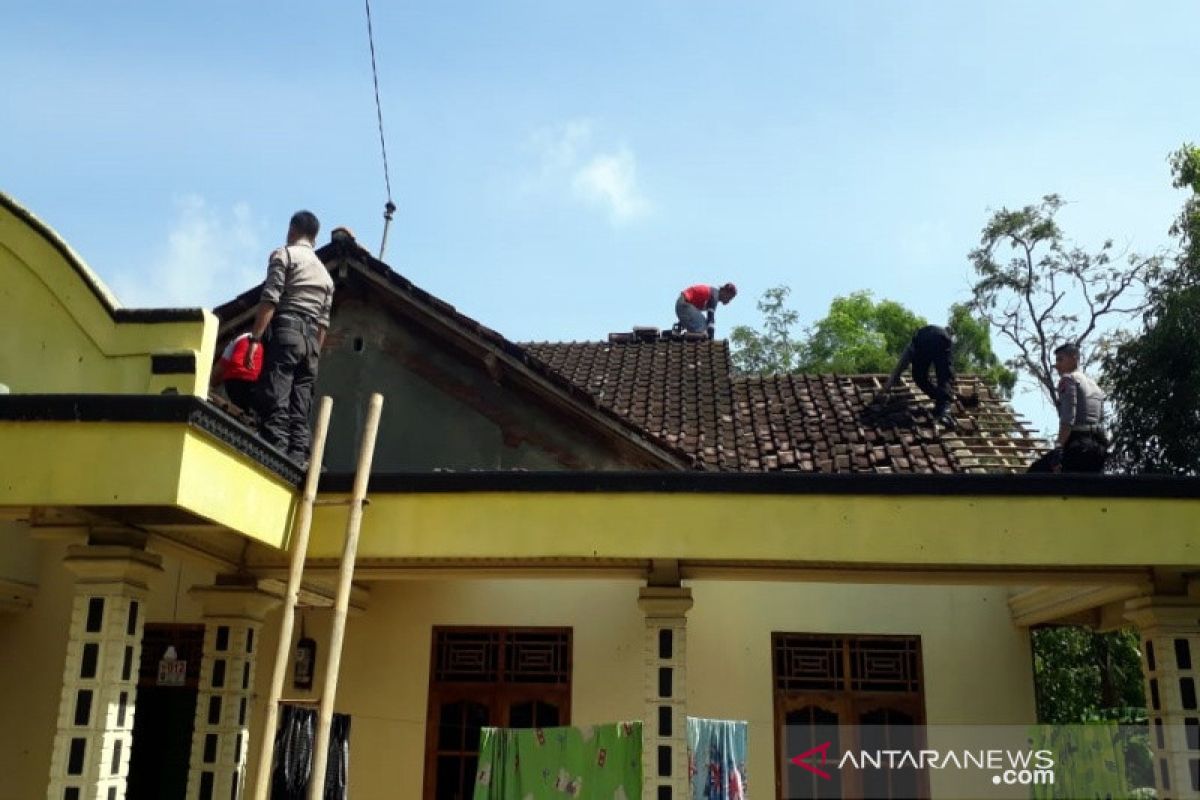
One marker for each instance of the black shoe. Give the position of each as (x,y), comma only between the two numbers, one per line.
(945,419)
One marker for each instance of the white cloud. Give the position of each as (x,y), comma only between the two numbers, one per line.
(574,165)
(560,146)
(611,182)
(210,256)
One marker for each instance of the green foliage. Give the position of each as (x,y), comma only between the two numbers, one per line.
(1037,290)
(858,335)
(773,350)
(1154,377)
(1080,675)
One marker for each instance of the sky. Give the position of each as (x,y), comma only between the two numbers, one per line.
(562,170)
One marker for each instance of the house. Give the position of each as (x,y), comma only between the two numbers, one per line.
(559,533)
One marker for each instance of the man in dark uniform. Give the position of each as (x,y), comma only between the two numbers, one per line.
(1081,445)
(930,347)
(290,322)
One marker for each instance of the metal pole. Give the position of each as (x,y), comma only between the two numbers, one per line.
(366,452)
(388,211)
(287,619)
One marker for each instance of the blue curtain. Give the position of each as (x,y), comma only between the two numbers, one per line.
(717,758)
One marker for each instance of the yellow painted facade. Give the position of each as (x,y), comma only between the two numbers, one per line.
(60,337)
(967,638)
(143,464)
(862,529)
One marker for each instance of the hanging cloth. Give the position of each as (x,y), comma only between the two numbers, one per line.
(716,758)
(1089,760)
(603,762)
(294,739)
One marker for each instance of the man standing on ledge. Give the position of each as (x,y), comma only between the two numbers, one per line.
(694,301)
(290,323)
(1081,445)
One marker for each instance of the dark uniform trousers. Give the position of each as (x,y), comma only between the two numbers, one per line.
(289,374)
(931,347)
(1085,451)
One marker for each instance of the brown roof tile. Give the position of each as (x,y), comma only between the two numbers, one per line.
(686,394)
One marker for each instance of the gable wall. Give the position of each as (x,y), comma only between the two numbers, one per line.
(441,409)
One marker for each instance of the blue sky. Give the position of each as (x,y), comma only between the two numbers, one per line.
(563,169)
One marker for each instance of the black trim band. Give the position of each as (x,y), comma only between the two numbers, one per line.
(1049,485)
(179,364)
(149,408)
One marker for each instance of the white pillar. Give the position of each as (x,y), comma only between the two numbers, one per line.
(90,760)
(664,735)
(1169,628)
(233,617)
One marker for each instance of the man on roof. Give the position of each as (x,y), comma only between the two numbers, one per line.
(930,347)
(1081,445)
(696,306)
(290,322)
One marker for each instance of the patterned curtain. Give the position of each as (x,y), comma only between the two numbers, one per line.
(603,762)
(717,758)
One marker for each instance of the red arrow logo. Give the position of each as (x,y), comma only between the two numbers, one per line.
(802,760)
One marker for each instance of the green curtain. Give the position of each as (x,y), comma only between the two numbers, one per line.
(600,761)
(1089,762)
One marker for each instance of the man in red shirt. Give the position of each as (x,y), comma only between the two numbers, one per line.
(696,305)
(231,370)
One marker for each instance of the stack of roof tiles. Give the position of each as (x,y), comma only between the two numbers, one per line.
(686,394)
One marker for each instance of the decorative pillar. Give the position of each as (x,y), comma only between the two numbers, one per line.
(664,735)
(1169,628)
(233,616)
(90,760)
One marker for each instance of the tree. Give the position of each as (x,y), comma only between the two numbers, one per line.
(773,350)
(1038,290)
(858,335)
(1154,376)
(1080,674)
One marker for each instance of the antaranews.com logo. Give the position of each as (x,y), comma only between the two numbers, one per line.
(1008,767)
(969,762)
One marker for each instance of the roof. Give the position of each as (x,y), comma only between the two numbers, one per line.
(686,393)
(344,257)
(681,401)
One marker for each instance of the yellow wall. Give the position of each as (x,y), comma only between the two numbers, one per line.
(967,637)
(976,663)
(920,531)
(59,338)
(175,466)
(33,647)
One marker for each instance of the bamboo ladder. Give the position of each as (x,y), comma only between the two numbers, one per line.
(303,525)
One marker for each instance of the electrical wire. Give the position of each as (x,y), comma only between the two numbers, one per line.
(387,180)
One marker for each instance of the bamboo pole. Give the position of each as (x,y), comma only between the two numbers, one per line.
(366,452)
(287,619)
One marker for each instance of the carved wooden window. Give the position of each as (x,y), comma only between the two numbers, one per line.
(856,692)
(500,677)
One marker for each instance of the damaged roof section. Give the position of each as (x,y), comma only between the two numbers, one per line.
(686,394)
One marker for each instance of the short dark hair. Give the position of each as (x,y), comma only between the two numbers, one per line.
(305,223)
(1068,349)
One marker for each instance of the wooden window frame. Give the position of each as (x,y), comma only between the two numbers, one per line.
(846,702)
(498,696)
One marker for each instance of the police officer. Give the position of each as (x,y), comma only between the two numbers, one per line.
(1081,444)
(290,323)
(930,347)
